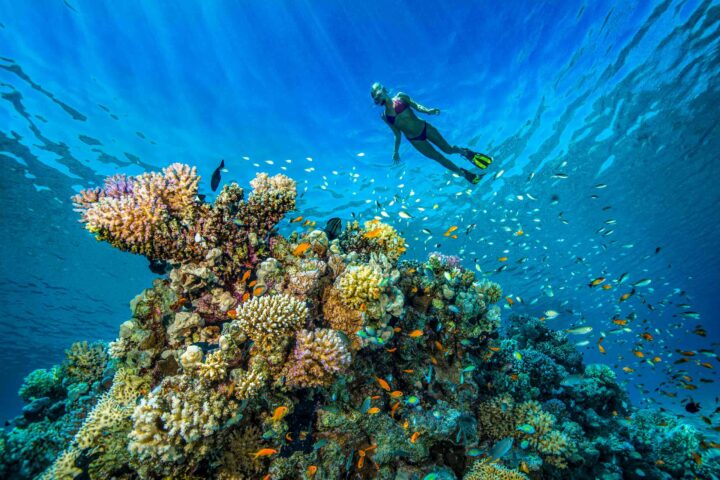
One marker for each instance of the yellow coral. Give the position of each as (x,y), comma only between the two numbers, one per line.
(385,237)
(64,467)
(359,285)
(484,470)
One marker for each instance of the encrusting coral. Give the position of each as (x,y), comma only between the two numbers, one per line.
(261,356)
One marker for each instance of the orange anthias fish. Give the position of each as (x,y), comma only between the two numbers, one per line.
(625,296)
(265,452)
(509,301)
(415,333)
(259,290)
(414,437)
(396,394)
(620,321)
(383,384)
(373,410)
(373,233)
(450,230)
(638,354)
(606,287)
(232,314)
(301,249)
(519,233)
(502,259)
(647,336)
(245,297)
(296,219)
(311,470)
(245,276)
(596,282)
(279,413)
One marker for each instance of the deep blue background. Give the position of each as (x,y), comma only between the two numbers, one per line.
(624,94)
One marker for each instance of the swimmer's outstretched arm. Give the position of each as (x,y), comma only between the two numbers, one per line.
(406,98)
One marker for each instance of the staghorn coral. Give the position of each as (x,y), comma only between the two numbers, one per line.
(318,356)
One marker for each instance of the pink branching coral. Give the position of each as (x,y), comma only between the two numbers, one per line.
(131,210)
(317,357)
(159,215)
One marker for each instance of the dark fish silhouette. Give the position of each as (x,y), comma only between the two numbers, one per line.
(158,267)
(692,407)
(215,180)
(333,228)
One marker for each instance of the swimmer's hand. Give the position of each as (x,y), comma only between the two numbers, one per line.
(396,158)
(434,111)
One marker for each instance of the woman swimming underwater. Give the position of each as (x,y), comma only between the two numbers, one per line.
(399,116)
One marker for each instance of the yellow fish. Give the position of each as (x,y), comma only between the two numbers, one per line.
(296,219)
(373,410)
(450,230)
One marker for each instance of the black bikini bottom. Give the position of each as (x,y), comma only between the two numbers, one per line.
(422,136)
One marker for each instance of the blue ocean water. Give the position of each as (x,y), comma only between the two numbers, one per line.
(602,118)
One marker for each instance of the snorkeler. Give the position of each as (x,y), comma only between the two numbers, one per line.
(421,133)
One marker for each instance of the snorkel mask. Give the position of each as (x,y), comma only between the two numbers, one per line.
(377,92)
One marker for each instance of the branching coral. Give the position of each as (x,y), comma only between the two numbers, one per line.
(271,318)
(318,356)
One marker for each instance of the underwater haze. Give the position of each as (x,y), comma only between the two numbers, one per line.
(598,216)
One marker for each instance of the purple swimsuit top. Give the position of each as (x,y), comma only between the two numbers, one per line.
(398,106)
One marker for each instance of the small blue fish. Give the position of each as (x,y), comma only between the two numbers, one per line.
(453,309)
(365,405)
(527,428)
(469,368)
(524,444)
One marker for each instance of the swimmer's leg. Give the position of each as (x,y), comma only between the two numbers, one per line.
(427,149)
(435,137)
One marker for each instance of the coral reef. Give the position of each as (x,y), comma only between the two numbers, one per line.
(260,356)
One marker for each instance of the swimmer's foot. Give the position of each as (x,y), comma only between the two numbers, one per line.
(480,160)
(471,177)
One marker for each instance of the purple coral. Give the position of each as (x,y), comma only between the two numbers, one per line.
(451,261)
(317,357)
